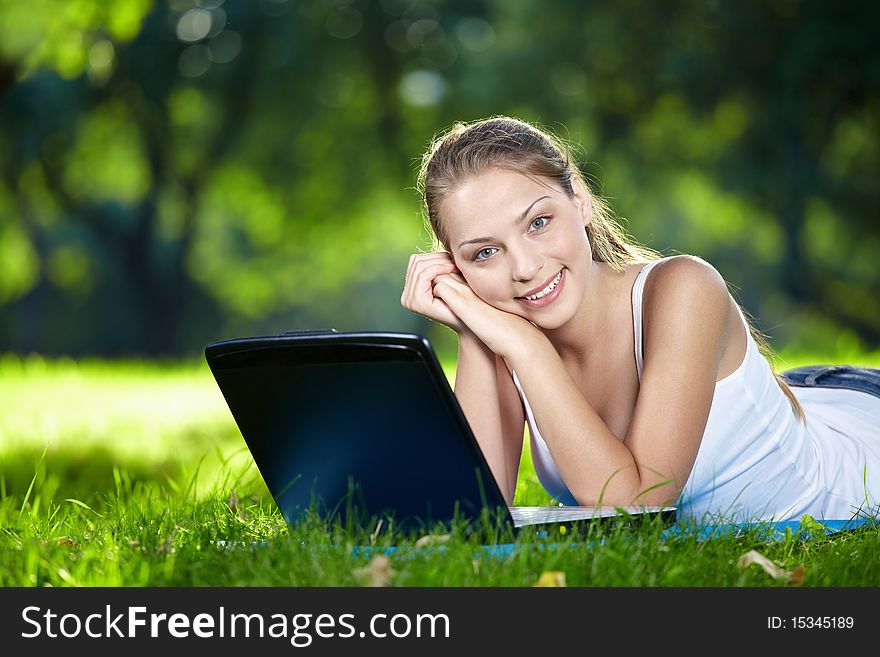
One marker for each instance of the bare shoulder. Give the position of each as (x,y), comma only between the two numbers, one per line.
(685,283)
(685,275)
(686,297)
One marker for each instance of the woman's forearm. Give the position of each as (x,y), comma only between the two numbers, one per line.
(476,387)
(595,465)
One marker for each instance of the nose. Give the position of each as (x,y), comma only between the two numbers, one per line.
(526,263)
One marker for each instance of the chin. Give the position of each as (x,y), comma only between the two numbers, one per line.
(553,317)
(549,323)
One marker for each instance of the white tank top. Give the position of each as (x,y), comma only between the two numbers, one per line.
(756,459)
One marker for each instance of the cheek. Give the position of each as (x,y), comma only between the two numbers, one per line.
(577,245)
(486,285)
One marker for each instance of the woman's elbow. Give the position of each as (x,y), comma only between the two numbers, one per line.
(629,491)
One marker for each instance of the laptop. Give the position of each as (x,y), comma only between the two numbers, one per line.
(364,426)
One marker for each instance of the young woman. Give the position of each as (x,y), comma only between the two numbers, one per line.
(639,377)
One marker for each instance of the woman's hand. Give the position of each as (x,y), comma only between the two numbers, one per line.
(502,332)
(418,289)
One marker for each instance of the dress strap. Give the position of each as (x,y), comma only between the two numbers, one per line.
(637,290)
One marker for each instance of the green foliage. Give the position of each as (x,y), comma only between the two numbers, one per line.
(69,36)
(19,265)
(108,162)
(140,534)
(175,172)
(133,474)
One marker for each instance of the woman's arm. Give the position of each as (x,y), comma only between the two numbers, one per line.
(493,409)
(687,306)
(483,385)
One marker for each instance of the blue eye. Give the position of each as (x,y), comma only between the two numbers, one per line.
(539,222)
(482,254)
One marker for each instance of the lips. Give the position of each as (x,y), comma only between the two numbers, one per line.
(546,287)
(549,292)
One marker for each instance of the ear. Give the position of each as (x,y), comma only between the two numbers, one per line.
(583,199)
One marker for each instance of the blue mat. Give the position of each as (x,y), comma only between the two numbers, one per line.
(773,530)
(805,529)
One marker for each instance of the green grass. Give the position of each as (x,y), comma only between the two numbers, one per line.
(130,474)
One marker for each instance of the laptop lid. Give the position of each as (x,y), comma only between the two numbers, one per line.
(356,424)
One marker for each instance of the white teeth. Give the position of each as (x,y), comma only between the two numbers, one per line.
(546,290)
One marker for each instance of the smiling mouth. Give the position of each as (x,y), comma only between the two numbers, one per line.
(547,289)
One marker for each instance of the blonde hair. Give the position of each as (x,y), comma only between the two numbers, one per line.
(467,149)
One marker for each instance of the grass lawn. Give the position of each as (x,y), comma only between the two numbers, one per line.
(130,474)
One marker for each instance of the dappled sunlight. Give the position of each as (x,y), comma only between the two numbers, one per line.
(196,169)
(20,264)
(64,35)
(160,422)
(108,162)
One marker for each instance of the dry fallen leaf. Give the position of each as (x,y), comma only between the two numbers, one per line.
(797,576)
(754,557)
(377,573)
(551,578)
(431,539)
(376,531)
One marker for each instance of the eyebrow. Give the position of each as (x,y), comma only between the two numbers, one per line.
(518,219)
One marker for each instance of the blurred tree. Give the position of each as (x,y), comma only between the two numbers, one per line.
(176,173)
(187,181)
(69,37)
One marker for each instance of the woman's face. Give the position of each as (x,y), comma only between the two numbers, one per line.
(520,243)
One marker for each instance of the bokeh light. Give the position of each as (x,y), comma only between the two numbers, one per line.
(194,61)
(475,34)
(422,88)
(194,25)
(225,47)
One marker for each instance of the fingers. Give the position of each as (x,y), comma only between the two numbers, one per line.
(451,288)
(458,277)
(422,269)
(420,259)
(419,286)
(452,279)
(418,291)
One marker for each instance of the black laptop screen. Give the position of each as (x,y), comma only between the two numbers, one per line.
(352,430)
